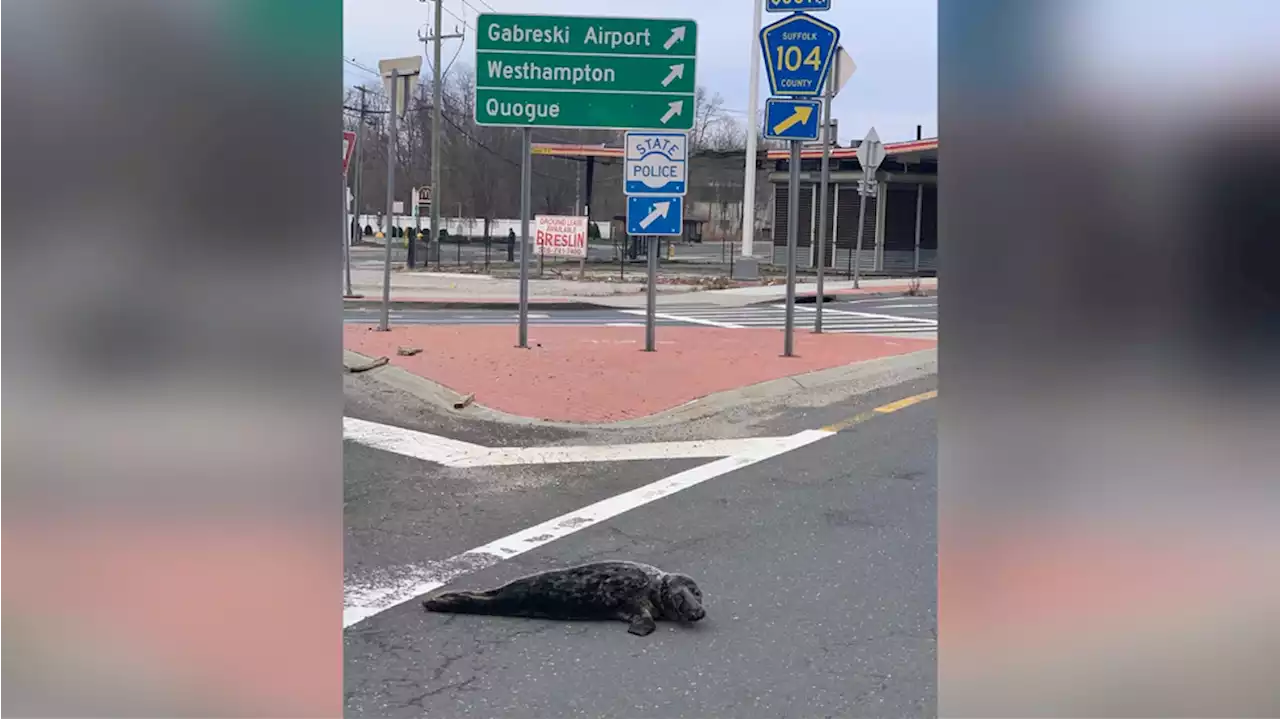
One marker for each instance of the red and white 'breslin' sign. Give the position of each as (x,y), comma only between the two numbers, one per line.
(564,235)
(348,144)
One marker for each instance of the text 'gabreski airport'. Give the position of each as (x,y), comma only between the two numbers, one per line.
(561,36)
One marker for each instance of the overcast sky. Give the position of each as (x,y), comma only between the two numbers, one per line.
(892,42)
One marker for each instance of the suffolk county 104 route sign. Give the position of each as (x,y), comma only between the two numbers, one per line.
(585,72)
(797,51)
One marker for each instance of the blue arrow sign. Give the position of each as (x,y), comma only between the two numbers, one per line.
(794,5)
(797,51)
(655,215)
(656,163)
(786,119)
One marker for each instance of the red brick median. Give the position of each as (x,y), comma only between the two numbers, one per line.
(602,374)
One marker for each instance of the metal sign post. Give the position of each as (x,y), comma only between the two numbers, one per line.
(385,323)
(919,207)
(793,229)
(655,217)
(346,237)
(870,155)
(651,301)
(398,75)
(864,191)
(822,189)
(348,143)
(526,189)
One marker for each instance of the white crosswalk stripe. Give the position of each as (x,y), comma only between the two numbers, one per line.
(774,316)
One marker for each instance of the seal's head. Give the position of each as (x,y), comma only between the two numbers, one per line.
(681,598)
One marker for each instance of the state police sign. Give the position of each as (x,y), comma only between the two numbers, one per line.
(656,163)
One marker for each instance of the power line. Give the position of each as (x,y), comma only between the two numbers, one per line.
(464,133)
(455,17)
(358,66)
(482,2)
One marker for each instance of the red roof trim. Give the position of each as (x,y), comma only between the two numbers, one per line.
(849,153)
(892,148)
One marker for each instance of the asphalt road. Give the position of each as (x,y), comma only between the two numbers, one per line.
(819,568)
(901,306)
(369,315)
(912,307)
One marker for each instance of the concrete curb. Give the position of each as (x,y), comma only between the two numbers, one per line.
(474,304)
(862,377)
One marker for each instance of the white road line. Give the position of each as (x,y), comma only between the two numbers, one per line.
(360,603)
(875,300)
(680,318)
(455,453)
(879,329)
(698,449)
(851,313)
(407,442)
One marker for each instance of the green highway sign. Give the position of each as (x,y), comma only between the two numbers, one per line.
(617,74)
(585,72)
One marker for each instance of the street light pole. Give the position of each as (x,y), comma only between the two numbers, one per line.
(822,187)
(746,268)
(389,230)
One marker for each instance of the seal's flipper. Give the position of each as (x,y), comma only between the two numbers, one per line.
(459,602)
(642,624)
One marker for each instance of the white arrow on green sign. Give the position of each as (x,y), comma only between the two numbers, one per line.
(585,72)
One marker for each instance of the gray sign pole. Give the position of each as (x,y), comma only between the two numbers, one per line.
(526,190)
(391,179)
(919,207)
(822,186)
(793,229)
(863,193)
(651,301)
(346,235)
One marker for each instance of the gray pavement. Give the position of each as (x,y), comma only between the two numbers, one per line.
(905,316)
(819,567)
(602,317)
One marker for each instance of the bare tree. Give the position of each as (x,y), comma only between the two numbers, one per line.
(708,114)
(481,165)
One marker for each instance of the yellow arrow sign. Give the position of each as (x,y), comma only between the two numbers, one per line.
(801,115)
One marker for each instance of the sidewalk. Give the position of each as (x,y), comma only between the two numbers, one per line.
(444,290)
(594,374)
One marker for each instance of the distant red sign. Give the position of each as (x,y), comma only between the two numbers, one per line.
(348,144)
(561,235)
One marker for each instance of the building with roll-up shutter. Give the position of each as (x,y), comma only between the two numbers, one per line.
(901,214)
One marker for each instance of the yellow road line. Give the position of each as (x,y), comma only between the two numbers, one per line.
(882,409)
(905,402)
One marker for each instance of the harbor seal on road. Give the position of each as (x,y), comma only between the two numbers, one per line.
(633,592)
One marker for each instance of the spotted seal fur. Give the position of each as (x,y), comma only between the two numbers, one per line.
(636,593)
